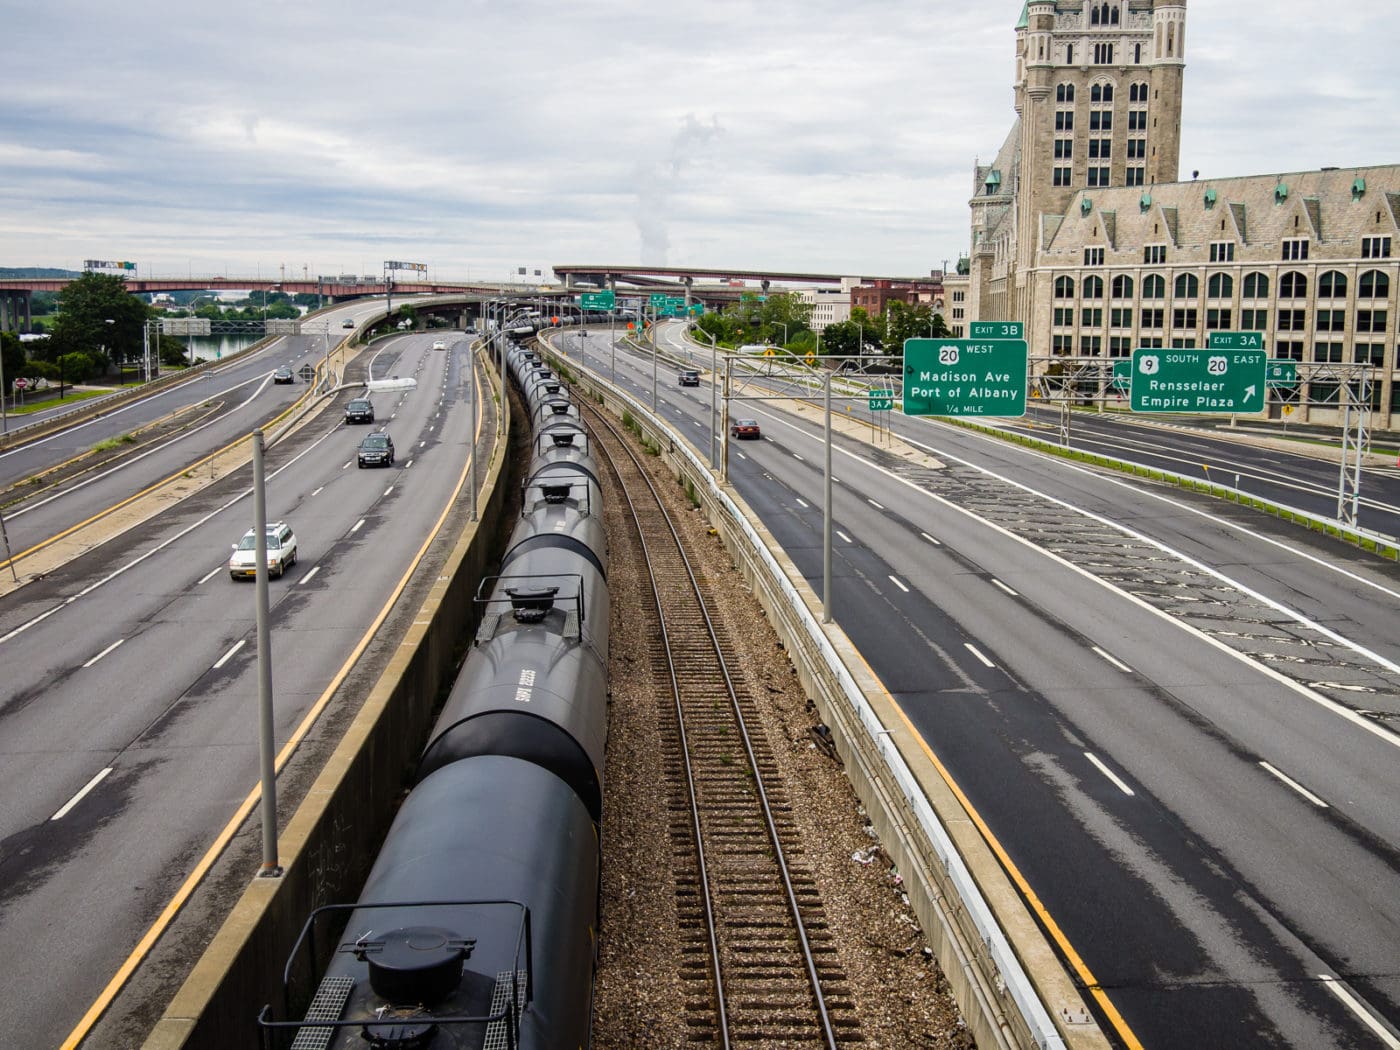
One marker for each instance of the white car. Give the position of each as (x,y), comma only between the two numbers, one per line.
(439,344)
(281,552)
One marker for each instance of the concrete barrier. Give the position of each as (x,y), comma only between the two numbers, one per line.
(335,833)
(1007,978)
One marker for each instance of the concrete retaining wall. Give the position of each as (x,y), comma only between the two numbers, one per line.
(334,835)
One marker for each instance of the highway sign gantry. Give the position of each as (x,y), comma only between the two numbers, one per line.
(598,300)
(1198,381)
(1283,372)
(965,377)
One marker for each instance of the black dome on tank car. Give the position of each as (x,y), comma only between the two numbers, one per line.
(459,868)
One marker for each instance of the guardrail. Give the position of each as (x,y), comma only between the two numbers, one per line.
(1002,969)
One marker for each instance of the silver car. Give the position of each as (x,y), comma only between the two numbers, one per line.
(281,552)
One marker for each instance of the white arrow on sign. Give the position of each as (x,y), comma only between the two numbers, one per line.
(1249,393)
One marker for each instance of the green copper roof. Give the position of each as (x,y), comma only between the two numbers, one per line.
(1025,16)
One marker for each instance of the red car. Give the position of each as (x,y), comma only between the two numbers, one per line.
(745,428)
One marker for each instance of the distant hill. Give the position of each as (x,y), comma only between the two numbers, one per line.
(37,271)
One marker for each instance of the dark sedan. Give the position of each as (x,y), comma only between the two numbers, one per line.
(745,428)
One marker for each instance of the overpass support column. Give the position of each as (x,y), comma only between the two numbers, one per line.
(764,286)
(28,313)
(688,282)
(9,316)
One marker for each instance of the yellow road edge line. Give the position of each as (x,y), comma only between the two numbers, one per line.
(191,883)
(1022,884)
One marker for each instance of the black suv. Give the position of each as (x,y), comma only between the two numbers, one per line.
(376,450)
(690,377)
(359,410)
(283,375)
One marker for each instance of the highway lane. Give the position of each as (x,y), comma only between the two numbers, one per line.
(1275,473)
(146,679)
(325,332)
(1217,890)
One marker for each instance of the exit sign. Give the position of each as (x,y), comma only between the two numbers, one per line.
(996,330)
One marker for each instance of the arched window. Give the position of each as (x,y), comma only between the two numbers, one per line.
(1256,286)
(1096,93)
(1293,285)
(1093,287)
(1108,92)
(1094,17)
(1220,286)
(1064,93)
(1188,286)
(1122,287)
(1332,285)
(1154,286)
(1064,288)
(1375,284)
(1115,14)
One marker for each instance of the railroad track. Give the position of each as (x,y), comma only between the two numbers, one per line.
(760,963)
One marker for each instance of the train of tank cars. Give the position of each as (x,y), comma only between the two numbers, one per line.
(477,924)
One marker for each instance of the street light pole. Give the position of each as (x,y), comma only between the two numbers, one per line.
(826,510)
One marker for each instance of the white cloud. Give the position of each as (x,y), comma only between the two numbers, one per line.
(479,136)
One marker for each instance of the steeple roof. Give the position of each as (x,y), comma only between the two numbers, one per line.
(1025,16)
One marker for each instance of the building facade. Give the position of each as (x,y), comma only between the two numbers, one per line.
(1081,230)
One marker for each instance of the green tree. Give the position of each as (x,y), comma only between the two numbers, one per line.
(100,318)
(841,339)
(13,358)
(76,368)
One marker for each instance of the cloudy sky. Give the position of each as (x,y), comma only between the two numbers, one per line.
(477,137)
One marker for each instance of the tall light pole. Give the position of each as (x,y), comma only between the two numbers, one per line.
(714,389)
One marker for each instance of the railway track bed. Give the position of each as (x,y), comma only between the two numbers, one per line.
(656,983)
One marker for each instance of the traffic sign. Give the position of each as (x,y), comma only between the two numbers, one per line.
(1122,374)
(965,377)
(1209,381)
(658,299)
(811,358)
(1283,371)
(598,300)
(996,330)
(1236,341)
(880,400)
(21,383)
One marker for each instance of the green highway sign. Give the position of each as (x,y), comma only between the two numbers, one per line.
(1282,372)
(598,300)
(881,400)
(965,377)
(1236,341)
(658,299)
(1217,380)
(996,330)
(1122,374)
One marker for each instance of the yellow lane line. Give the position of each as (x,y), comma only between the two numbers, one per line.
(191,883)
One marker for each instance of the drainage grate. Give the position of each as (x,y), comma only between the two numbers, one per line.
(330,1000)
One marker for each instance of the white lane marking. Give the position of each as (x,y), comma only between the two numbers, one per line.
(803,504)
(873,503)
(104,652)
(408,465)
(421,444)
(356,527)
(317,492)
(798,458)
(741,455)
(977,653)
(926,536)
(835,479)
(229,655)
(346,463)
(996,582)
(307,577)
(387,491)
(1360,721)
(697,422)
(847,539)
(209,576)
(1355,1006)
(1117,780)
(1115,662)
(79,796)
(1295,786)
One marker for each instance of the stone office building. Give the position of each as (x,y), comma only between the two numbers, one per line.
(1081,229)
